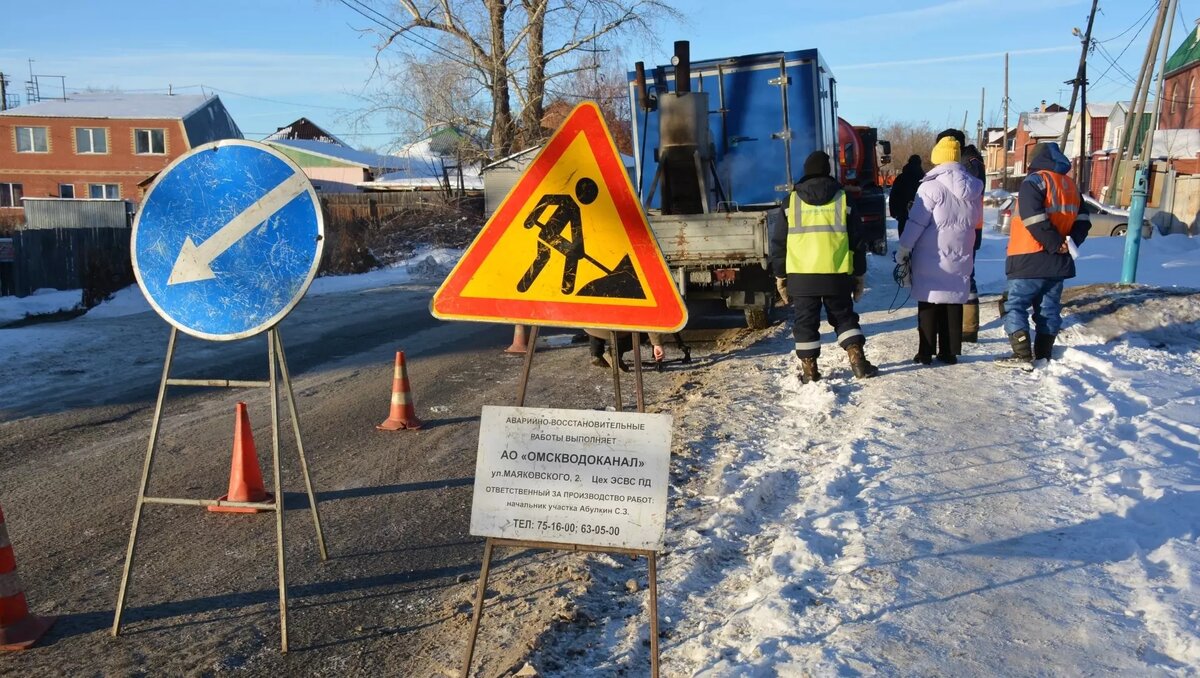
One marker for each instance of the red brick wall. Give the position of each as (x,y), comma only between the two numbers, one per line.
(41,173)
(1181,100)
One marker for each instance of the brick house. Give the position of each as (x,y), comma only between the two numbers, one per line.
(100,145)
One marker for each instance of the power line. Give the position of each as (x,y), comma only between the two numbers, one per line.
(273,101)
(391,26)
(1113,62)
(1143,19)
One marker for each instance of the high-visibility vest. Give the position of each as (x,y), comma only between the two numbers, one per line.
(817,239)
(1062,209)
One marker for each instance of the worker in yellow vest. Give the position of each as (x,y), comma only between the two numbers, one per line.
(817,260)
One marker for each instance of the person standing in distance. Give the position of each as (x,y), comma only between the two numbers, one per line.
(813,258)
(904,191)
(1051,220)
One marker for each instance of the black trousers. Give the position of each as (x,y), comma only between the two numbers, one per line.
(806,328)
(939,328)
(597,346)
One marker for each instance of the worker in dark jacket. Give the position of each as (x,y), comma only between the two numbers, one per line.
(904,191)
(814,260)
(973,161)
(1051,221)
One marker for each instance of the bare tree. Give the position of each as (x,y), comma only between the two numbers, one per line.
(908,138)
(512,47)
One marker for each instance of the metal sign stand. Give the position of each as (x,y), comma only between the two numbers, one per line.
(275,356)
(531,346)
(492,542)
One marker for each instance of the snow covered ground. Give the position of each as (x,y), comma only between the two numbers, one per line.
(960,520)
(948,520)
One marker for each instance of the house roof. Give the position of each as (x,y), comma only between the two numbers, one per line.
(513,160)
(426,173)
(1100,110)
(995,136)
(1045,124)
(1187,54)
(344,154)
(116,105)
(304,128)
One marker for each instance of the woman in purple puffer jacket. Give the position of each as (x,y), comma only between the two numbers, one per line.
(937,245)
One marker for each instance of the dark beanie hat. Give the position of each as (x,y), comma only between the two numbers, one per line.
(951,132)
(914,159)
(817,164)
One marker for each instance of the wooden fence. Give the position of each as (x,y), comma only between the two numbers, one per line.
(377,207)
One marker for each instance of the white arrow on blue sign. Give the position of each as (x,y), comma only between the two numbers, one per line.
(228,239)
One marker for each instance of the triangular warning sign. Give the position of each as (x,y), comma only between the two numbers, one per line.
(568,247)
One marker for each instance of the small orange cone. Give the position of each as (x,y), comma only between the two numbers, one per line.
(18,629)
(245,476)
(404,412)
(519,341)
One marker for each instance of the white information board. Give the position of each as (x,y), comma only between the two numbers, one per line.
(572,477)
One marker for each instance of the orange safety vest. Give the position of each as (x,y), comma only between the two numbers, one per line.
(1062,207)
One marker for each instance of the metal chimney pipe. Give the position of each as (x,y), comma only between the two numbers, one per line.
(639,70)
(683,67)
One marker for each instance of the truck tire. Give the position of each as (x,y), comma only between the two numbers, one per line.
(757,317)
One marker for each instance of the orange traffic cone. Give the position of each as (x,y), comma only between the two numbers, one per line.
(404,412)
(18,629)
(245,476)
(519,341)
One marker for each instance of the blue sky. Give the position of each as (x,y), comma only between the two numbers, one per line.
(273,61)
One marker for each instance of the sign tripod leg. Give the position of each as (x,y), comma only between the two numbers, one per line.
(616,367)
(637,371)
(291,398)
(479,595)
(652,558)
(141,498)
(530,348)
(271,359)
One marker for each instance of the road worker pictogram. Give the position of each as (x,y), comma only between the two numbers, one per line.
(569,246)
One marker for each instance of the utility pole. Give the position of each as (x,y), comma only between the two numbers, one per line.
(979,142)
(1085,153)
(1078,81)
(1137,205)
(1137,106)
(1004,147)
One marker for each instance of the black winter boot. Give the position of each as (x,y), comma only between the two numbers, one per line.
(808,370)
(1043,347)
(859,365)
(1022,356)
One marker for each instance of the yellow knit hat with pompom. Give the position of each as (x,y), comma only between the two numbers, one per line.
(945,150)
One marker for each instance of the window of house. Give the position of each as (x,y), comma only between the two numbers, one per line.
(66,190)
(1191,91)
(11,194)
(150,141)
(1012,144)
(32,140)
(1174,96)
(104,191)
(91,140)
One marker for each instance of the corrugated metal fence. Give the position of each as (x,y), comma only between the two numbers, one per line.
(72,244)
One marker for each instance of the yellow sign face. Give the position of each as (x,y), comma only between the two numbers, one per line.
(569,246)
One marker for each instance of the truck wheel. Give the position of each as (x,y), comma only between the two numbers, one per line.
(756,318)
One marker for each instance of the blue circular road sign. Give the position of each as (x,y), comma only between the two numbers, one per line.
(228,239)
